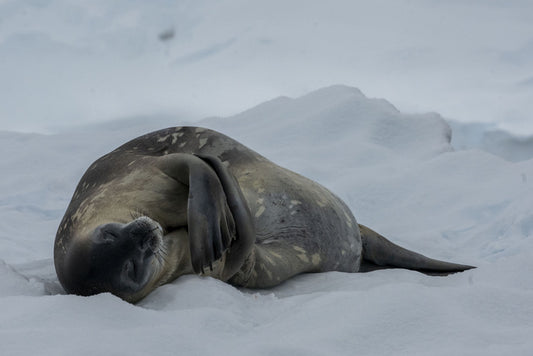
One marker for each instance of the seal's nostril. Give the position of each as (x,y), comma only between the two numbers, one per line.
(150,242)
(153,243)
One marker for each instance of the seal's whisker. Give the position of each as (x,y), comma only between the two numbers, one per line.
(135,214)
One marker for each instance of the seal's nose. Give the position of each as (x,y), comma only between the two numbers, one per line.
(145,233)
(150,241)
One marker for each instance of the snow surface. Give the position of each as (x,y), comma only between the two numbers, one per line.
(399,174)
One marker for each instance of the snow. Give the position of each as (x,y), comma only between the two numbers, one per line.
(398,172)
(78,79)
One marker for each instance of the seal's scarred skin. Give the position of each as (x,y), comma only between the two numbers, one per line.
(191,200)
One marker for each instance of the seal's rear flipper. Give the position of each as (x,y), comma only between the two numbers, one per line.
(380,253)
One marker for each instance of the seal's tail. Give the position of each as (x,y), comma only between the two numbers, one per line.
(379,253)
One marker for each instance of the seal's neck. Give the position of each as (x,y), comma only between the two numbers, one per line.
(176,256)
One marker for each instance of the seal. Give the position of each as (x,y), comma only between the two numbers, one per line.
(188,200)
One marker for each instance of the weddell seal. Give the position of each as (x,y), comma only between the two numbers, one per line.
(190,200)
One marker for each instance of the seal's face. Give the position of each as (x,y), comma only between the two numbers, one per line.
(123,259)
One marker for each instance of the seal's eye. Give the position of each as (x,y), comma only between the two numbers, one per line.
(108,236)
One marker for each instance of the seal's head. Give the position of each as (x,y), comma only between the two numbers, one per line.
(122,259)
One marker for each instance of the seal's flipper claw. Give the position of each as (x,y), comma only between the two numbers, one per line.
(227,234)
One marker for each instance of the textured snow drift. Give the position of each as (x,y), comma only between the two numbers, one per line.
(400,175)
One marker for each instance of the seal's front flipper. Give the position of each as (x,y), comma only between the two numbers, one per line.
(242,246)
(379,253)
(210,222)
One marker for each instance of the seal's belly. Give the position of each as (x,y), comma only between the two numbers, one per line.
(291,210)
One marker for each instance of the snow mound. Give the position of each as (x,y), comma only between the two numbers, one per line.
(343,116)
(397,172)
